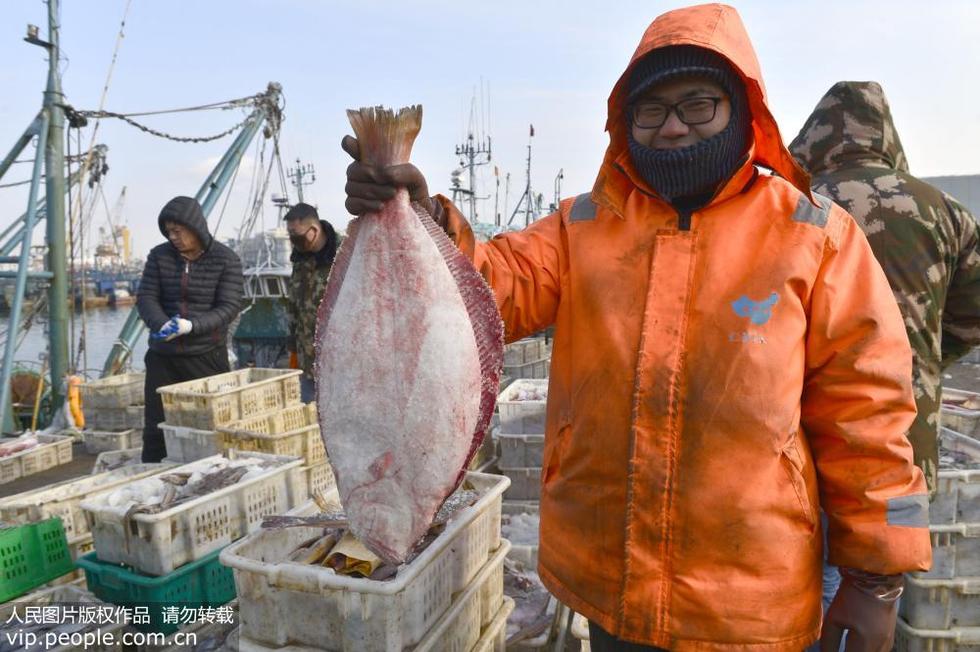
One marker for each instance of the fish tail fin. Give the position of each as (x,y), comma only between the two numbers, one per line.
(386,136)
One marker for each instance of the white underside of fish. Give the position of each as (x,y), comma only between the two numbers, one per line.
(398,380)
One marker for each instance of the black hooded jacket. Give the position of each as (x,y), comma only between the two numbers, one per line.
(207,291)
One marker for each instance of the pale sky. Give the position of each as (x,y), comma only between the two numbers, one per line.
(550,64)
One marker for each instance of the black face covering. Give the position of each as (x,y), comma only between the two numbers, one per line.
(700,169)
(695,170)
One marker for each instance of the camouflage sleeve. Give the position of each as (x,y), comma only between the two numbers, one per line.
(961,314)
(292,311)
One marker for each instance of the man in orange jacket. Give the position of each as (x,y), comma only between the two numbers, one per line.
(728,358)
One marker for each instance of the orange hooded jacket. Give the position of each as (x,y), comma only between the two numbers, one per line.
(702,381)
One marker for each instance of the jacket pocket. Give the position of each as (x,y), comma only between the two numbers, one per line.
(554,448)
(793,463)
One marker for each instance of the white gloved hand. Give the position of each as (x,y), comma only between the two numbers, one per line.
(176,327)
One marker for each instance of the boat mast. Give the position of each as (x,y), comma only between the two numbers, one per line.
(54,163)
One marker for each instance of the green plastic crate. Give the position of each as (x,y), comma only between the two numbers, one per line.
(31,555)
(201,583)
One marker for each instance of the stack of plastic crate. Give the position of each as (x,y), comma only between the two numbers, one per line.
(169,559)
(293,430)
(195,409)
(940,609)
(48,452)
(528,358)
(113,408)
(961,411)
(520,437)
(31,555)
(63,501)
(450,597)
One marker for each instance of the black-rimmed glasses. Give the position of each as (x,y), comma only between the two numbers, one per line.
(692,111)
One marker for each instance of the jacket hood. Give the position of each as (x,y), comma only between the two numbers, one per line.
(714,27)
(186,212)
(852,125)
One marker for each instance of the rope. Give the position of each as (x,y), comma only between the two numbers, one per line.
(225,105)
(161,134)
(18,183)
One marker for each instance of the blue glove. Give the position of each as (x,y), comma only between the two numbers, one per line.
(176,327)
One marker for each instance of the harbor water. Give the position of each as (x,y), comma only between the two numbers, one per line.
(100,327)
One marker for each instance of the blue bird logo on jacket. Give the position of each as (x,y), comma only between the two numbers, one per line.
(758,312)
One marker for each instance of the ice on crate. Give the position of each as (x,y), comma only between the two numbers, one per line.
(528,394)
(520,529)
(152,491)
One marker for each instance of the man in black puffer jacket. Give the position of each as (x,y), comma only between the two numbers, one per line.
(190,293)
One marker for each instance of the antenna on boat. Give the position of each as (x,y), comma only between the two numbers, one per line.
(297,176)
(471,155)
(527,198)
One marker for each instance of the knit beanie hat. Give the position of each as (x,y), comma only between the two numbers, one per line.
(700,168)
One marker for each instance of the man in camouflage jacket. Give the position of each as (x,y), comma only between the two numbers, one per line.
(926,241)
(314,246)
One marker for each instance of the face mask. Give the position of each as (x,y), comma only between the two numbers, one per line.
(299,240)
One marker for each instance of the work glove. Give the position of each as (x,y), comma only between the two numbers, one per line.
(369,186)
(866,605)
(176,327)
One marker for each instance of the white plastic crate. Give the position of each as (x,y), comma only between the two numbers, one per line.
(304,442)
(158,543)
(525,483)
(214,401)
(522,530)
(522,417)
(460,628)
(51,451)
(957,498)
(529,349)
(909,639)
(189,444)
(64,499)
(476,620)
(941,604)
(111,460)
(278,421)
(520,507)
(955,551)
(100,441)
(115,418)
(521,450)
(580,630)
(534,369)
(69,595)
(494,638)
(284,602)
(113,391)
(320,478)
(960,411)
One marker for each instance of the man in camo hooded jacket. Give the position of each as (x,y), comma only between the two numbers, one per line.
(926,241)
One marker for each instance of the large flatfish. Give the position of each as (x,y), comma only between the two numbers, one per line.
(409,354)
